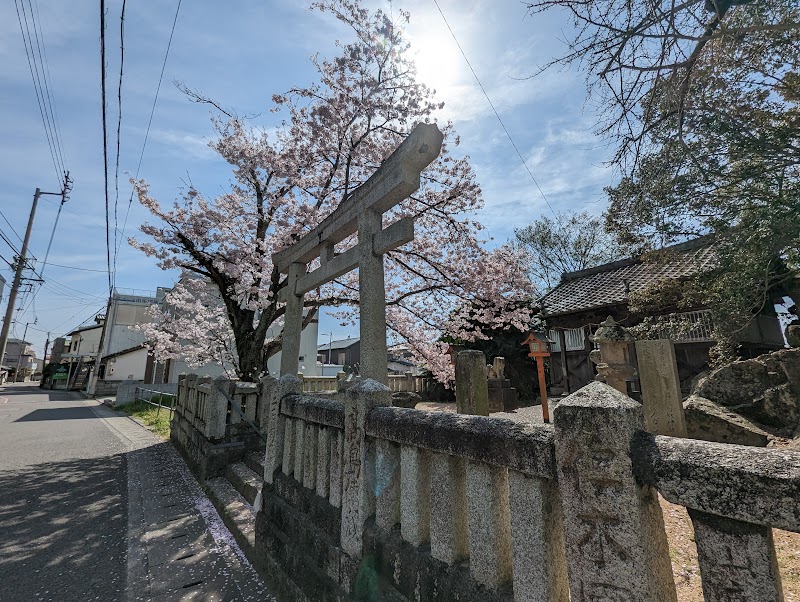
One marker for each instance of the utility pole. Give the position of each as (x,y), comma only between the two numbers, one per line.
(21,354)
(46,345)
(92,385)
(12,295)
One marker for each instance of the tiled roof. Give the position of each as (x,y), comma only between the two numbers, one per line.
(342,344)
(605,285)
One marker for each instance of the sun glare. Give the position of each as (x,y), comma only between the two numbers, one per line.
(438,60)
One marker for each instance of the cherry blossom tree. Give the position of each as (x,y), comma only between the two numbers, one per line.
(335,133)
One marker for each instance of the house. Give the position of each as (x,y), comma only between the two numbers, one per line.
(134,363)
(344,352)
(401,360)
(125,355)
(19,361)
(583,299)
(81,352)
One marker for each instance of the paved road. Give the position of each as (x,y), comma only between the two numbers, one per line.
(68,469)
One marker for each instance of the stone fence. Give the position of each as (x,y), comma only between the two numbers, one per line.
(363,499)
(215,422)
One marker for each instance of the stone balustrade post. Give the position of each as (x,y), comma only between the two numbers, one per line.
(537,534)
(180,398)
(289,447)
(188,386)
(489,524)
(357,496)
(248,393)
(310,439)
(614,365)
(737,559)
(449,533)
(472,388)
(387,484)
(190,406)
(336,460)
(273,390)
(299,449)
(217,408)
(415,491)
(615,540)
(236,401)
(323,461)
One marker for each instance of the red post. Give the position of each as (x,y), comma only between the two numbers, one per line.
(542,388)
(538,351)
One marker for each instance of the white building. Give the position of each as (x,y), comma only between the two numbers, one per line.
(125,356)
(19,360)
(84,341)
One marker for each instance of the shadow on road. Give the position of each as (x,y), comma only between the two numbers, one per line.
(16,392)
(76,413)
(63,528)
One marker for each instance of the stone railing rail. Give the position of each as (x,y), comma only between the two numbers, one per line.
(498,442)
(748,484)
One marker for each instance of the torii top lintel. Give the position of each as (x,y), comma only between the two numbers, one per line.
(396,179)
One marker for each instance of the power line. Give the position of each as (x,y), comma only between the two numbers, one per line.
(45,69)
(72,267)
(36,86)
(50,82)
(119,126)
(147,132)
(77,314)
(64,198)
(67,187)
(41,93)
(503,125)
(10,226)
(105,129)
(9,243)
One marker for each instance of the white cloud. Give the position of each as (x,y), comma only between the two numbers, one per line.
(184,143)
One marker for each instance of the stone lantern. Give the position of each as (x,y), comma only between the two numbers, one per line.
(614,365)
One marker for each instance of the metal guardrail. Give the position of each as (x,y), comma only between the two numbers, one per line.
(149,400)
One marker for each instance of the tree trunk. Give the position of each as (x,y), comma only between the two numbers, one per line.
(251,358)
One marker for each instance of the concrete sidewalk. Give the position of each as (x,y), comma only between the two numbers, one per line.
(178,546)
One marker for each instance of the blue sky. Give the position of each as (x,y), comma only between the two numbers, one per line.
(240,53)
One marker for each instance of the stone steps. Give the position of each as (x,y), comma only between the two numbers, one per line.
(236,512)
(255,460)
(245,480)
(234,496)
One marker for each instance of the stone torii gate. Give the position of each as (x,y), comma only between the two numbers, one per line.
(396,179)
